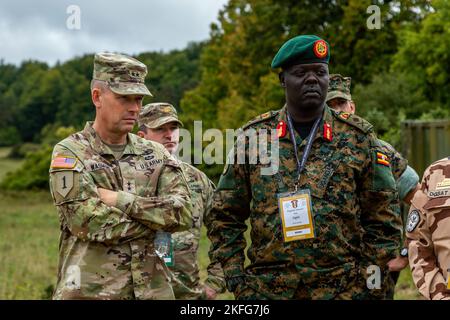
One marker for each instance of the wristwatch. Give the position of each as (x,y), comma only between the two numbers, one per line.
(404,252)
(233,282)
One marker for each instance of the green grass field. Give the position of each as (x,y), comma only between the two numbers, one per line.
(29,234)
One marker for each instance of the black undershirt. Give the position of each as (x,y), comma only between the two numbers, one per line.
(303,128)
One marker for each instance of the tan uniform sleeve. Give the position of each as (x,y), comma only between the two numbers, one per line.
(427,274)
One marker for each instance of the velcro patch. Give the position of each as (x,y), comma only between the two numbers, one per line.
(413,220)
(383,159)
(444,184)
(63,162)
(439,193)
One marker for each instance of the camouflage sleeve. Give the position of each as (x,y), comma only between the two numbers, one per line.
(231,207)
(397,161)
(82,212)
(215,278)
(380,214)
(423,216)
(170,210)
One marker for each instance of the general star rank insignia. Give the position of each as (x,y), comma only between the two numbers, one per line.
(327,132)
(281,129)
(129,186)
(383,159)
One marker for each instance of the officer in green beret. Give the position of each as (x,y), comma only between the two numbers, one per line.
(113,192)
(326,221)
(339,98)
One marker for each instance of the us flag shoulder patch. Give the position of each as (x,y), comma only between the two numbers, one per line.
(383,159)
(64,162)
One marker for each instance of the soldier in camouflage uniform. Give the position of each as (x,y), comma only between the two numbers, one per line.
(355,207)
(340,99)
(113,191)
(159,122)
(428,234)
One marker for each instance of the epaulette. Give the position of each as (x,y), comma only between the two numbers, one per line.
(354,120)
(387,145)
(260,118)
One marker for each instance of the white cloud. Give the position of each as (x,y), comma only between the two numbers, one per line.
(37,29)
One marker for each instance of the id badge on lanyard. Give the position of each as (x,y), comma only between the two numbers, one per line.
(296,207)
(296,215)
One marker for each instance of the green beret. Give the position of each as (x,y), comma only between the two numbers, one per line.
(304,49)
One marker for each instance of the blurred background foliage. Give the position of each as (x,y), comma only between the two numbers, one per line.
(399,72)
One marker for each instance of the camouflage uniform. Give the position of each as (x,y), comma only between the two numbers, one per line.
(428,233)
(355,212)
(107,252)
(186,284)
(406,180)
(339,87)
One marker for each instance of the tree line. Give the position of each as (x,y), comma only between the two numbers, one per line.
(399,71)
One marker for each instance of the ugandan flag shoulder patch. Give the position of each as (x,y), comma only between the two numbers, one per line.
(63,162)
(383,159)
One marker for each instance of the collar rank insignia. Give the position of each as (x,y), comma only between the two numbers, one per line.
(327,132)
(383,159)
(281,129)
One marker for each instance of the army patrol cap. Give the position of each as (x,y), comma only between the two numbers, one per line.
(154,115)
(339,87)
(305,49)
(124,74)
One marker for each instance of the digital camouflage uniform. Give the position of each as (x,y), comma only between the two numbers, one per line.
(428,232)
(355,212)
(186,281)
(107,252)
(339,87)
(406,179)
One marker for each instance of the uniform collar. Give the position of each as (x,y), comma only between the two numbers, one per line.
(327,119)
(98,145)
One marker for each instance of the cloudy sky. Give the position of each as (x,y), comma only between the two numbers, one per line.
(47,30)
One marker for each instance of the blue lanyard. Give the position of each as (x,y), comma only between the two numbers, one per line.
(310,139)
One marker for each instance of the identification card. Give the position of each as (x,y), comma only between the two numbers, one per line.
(448,279)
(296,215)
(164,247)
